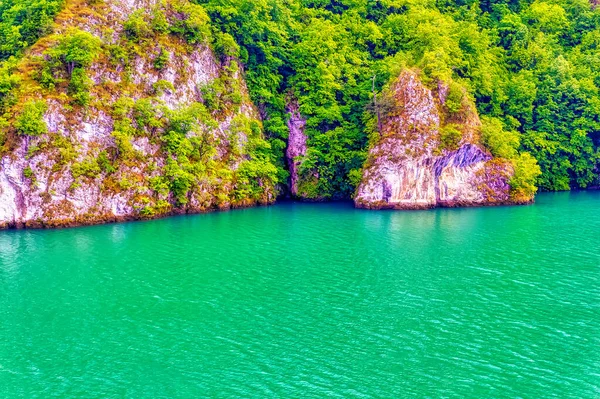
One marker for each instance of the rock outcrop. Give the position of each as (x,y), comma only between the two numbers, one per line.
(296,147)
(427,158)
(77,171)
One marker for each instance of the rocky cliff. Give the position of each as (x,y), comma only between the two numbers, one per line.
(136,109)
(429,154)
(296,146)
(155,123)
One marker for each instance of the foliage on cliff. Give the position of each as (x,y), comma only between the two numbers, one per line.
(138,105)
(531,65)
(22,22)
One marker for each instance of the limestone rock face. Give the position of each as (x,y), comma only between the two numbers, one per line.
(296,147)
(408,168)
(39,186)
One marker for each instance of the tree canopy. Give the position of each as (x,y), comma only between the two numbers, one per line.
(22,22)
(532,68)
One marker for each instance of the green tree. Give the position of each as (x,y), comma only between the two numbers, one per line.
(76,49)
(30,122)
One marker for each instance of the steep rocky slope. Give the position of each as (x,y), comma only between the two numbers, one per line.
(136,109)
(154,124)
(430,156)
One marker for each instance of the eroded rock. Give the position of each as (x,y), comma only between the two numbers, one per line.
(39,186)
(409,168)
(296,147)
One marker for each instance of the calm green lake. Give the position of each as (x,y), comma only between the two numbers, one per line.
(308,301)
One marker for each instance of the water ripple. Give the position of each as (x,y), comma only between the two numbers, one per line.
(310,301)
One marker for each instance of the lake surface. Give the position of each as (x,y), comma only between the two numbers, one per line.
(309,301)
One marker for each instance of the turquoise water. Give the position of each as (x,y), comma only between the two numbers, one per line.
(308,301)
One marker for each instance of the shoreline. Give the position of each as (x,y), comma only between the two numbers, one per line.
(129,219)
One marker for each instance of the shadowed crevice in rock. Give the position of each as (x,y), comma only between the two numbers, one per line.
(296,146)
(467,156)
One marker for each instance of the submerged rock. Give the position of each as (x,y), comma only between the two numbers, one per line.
(425,158)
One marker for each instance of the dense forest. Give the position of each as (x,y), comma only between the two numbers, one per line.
(532,68)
